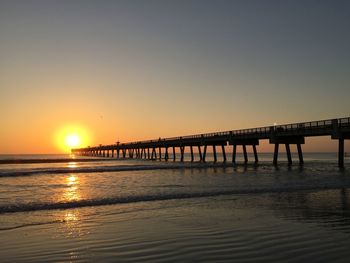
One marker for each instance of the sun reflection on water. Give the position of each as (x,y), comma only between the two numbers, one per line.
(72,165)
(71,180)
(72,224)
(71,216)
(72,191)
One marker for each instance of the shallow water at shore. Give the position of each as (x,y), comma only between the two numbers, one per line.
(288,227)
(208,213)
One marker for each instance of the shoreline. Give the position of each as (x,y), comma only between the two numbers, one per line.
(57,160)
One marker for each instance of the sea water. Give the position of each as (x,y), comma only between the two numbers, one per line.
(157,211)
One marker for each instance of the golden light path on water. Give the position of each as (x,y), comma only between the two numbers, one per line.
(71,217)
(72,191)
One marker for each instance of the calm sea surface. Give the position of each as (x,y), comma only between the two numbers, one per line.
(151,211)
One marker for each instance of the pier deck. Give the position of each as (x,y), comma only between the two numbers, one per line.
(287,134)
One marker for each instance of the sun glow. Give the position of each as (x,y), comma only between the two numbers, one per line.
(73,140)
(72,137)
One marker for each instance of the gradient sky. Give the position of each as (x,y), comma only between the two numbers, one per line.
(132,70)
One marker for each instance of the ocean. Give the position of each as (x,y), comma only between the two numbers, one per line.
(74,210)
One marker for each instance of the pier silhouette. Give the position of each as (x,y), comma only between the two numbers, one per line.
(287,134)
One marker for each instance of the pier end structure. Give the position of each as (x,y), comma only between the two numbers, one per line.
(341,132)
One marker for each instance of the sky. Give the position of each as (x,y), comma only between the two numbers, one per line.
(133,70)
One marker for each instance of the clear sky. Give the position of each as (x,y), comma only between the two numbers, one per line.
(133,70)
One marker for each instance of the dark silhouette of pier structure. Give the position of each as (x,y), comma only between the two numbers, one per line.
(287,134)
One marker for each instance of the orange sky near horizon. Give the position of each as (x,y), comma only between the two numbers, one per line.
(138,71)
(37,139)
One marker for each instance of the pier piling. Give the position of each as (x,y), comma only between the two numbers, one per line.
(245,153)
(300,154)
(223,153)
(182,150)
(204,153)
(214,154)
(255,154)
(341,153)
(191,149)
(275,154)
(166,154)
(289,156)
(200,153)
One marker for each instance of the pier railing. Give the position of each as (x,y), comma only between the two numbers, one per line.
(309,128)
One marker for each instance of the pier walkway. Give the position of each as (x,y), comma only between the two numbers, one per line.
(287,134)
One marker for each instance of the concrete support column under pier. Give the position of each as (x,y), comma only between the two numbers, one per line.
(300,154)
(204,153)
(191,149)
(214,153)
(141,153)
(341,132)
(223,153)
(166,156)
(289,156)
(245,154)
(275,154)
(200,153)
(341,152)
(182,150)
(287,140)
(234,153)
(341,137)
(154,154)
(255,154)
(244,143)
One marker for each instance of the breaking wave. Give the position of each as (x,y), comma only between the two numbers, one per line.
(161,197)
(112,168)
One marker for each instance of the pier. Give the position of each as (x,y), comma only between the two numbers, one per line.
(286,134)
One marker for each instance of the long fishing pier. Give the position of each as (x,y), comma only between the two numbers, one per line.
(287,134)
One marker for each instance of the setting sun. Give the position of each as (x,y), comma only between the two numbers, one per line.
(72,136)
(73,140)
